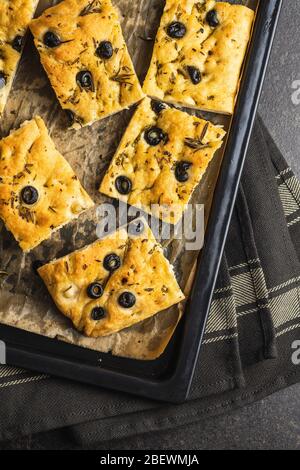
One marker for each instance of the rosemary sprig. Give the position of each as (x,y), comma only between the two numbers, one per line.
(27,168)
(195,144)
(91,8)
(204,131)
(67,290)
(26,214)
(122,78)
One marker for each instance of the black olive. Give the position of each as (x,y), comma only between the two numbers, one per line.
(154,136)
(112,262)
(105,50)
(127,300)
(97,313)
(176,30)
(36,265)
(70,116)
(2,80)
(17,43)
(212,18)
(157,106)
(181,171)
(194,74)
(95,290)
(85,80)
(123,185)
(29,195)
(51,39)
(135,228)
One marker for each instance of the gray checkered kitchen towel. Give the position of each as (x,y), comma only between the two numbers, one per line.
(247,350)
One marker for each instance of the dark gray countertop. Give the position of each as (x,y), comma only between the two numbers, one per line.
(280,105)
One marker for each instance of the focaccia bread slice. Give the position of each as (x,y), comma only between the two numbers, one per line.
(39,192)
(15,16)
(162,157)
(83,51)
(199,53)
(114,283)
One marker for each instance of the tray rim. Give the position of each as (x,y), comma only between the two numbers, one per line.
(175,388)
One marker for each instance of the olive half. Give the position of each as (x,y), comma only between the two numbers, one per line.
(127,300)
(212,18)
(97,313)
(17,43)
(157,106)
(105,50)
(51,39)
(70,116)
(181,171)
(95,290)
(155,135)
(176,30)
(84,79)
(195,74)
(112,262)
(123,185)
(29,195)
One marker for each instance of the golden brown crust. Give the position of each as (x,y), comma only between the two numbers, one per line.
(28,157)
(144,272)
(217,52)
(83,25)
(151,169)
(15,16)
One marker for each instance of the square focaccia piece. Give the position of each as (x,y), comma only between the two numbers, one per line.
(15,16)
(114,283)
(83,51)
(39,191)
(161,159)
(199,53)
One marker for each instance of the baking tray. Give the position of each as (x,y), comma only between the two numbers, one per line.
(169,377)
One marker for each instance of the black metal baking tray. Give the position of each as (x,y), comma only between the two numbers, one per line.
(169,377)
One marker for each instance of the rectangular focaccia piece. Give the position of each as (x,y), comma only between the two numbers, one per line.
(199,53)
(83,51)
(161,159)
(114,283)
(39,192)
(15,16)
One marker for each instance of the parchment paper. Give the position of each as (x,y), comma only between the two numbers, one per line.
(24,300)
